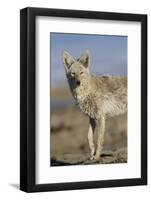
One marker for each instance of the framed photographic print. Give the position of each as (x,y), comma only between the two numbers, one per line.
(83,99)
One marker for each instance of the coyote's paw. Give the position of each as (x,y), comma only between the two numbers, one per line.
(91,157)
(97,157)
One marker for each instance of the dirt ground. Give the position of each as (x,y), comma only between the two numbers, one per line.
(68,141)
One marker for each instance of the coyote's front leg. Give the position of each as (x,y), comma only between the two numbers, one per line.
(99,130)
(90,138)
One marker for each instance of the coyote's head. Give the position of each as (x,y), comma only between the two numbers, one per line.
(77,70)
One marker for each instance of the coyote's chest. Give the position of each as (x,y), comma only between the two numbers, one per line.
(86,102)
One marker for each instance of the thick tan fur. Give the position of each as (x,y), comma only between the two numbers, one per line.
(98,97)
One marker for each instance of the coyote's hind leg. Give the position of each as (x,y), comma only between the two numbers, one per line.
(91,139)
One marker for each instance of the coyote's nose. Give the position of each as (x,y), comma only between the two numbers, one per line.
(78,82)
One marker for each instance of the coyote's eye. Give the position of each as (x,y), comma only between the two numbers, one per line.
(72,74)
(81,73)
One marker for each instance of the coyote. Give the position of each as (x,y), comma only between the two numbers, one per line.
(97,96)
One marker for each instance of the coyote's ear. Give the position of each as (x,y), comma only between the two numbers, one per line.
(85,59)
(68,60)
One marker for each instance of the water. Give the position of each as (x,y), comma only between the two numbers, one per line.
(59,104)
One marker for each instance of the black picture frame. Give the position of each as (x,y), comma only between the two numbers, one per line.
(28,99)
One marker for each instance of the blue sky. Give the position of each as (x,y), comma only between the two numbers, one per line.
(108,54)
